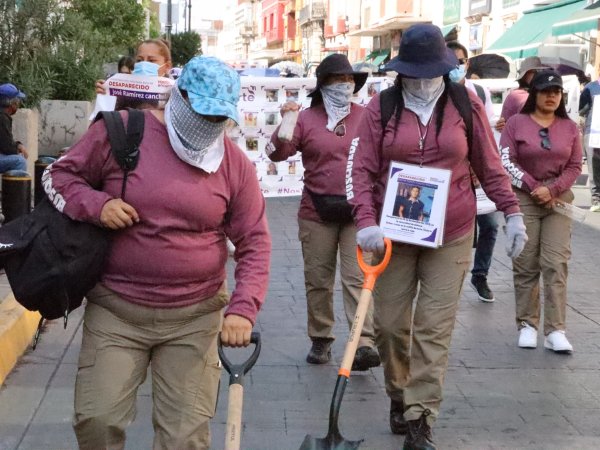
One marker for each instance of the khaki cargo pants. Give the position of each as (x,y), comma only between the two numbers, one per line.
(320,245)
(546,253)
(120,341)
(414,369)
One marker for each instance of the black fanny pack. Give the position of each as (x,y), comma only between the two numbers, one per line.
(332,208)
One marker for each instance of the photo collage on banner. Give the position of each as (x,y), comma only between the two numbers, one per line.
(260,101)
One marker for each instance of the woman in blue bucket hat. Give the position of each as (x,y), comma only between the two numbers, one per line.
(426,130)
(162,297)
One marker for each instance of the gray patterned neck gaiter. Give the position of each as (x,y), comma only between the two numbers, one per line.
(196,133)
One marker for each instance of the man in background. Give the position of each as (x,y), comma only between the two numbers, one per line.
(487,225)
(13,154)
(586,106)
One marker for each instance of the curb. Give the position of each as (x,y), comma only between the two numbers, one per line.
(17,327)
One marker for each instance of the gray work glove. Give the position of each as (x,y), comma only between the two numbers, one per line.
(370,239)
(516,237)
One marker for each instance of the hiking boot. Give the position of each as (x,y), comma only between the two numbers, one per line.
(479,283)
(365,358)
(419,434)
(398,423)
(320,352)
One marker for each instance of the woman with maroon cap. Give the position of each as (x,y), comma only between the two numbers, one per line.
(323,134)
(427,130)
(541,151)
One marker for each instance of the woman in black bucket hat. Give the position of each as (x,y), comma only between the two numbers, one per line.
(323,135)
(427,130)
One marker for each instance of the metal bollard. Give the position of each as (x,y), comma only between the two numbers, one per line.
(16,194)
(38,187)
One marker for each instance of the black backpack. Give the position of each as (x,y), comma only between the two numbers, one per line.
(52,261)
(391,101)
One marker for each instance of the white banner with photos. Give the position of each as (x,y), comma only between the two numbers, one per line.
(260,101)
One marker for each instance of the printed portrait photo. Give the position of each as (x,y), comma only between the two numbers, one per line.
(272,169)
(252,144)
(271,118)
(291,167)
(413,202)
(292,95)
(373,88)
(272,95)
(250,119)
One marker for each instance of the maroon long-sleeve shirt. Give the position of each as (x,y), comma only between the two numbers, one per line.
(176,254)
(324,155)
(529,165)
(370,157)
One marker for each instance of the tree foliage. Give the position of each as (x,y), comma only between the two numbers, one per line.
(55,49)
(184,46)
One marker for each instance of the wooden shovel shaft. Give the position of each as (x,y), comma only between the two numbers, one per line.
(233,429)
(357,325)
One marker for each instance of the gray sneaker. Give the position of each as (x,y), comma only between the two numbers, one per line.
(479,283)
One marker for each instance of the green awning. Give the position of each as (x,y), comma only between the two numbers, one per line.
(376,55)
(447,29)
(383,54)
(579,22)
(528,33)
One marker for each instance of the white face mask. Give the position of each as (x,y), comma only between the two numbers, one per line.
(421,94)
(337,98)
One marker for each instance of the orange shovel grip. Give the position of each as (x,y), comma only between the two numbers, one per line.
(372,272)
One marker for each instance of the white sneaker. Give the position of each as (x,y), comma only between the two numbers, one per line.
(558,342)
(527,336)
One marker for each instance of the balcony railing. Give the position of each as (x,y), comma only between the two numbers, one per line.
(313,12)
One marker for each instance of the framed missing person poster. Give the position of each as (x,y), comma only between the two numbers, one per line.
(414,208)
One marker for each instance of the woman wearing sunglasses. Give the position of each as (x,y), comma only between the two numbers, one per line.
(541,151)
(323,134)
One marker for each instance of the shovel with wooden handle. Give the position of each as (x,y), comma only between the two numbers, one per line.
(334,440)
(233,428)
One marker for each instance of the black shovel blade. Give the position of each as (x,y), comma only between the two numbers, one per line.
(329,442)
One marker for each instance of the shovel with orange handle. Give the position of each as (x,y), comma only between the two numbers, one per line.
(334,440)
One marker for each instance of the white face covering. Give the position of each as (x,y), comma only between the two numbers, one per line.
(336,98)
(421,94)
(207,147)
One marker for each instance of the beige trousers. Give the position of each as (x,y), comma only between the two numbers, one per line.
(120,341)
(320,245)
(546,253)
(414,369)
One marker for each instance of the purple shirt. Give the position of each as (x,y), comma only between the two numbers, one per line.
(514,103)
(529,165)
(324,155)
(176,255)
(371,157)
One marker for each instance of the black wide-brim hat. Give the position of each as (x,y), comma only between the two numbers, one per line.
(423,53)
(338,64)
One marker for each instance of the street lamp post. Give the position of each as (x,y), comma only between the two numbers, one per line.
(189,15)
(169,24)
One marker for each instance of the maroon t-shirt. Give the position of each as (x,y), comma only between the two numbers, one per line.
(514,103)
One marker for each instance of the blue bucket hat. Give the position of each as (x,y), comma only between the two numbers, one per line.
(213,88)
(423,53)
(10,91)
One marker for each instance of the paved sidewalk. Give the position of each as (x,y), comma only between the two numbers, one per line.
(496,395)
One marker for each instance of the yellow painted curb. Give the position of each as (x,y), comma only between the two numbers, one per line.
(17,327)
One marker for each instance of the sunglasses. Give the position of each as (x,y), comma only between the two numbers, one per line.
(340,129)
(544,134)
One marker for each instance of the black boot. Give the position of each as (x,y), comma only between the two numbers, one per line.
(365,358)
(320,352)
(398,423)
(419,434)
